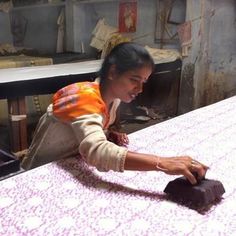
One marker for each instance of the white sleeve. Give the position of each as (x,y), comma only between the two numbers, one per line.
(95,147)
(113,111)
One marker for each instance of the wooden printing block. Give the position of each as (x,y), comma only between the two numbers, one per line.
(203,194)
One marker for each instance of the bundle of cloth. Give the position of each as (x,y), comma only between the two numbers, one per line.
(105,37)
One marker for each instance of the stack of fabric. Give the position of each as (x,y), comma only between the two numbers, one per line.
(105,37)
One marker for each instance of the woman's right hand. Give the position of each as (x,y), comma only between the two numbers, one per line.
(118,138)
(192,169)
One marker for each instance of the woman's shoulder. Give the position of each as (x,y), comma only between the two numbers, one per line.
(77,88)
(78,99)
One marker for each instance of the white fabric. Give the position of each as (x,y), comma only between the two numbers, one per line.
(101,34)
(5,6)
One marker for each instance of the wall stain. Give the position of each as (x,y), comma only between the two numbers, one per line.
(186,88)
(215,88)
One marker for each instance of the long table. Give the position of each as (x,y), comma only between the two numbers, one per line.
(70,198)
(16,83)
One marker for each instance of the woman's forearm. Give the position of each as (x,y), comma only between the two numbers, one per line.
(180,165)
(140,162)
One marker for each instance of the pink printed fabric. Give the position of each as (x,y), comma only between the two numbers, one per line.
(69,198)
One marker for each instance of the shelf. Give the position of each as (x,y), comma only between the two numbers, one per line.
(94,1)
(38,6)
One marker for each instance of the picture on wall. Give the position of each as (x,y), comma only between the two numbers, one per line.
(127,17)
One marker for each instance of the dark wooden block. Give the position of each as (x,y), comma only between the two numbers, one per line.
(202,194)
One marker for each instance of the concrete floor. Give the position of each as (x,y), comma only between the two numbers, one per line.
(135,125)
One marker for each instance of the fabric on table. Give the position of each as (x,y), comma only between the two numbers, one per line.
(35,104)
(23,61)
(69,198)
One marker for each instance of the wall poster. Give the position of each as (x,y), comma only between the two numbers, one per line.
(127,16)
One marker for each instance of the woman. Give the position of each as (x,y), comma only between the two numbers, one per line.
(77,121)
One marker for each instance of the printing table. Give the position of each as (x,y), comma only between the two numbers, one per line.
(69,198)
(16,83)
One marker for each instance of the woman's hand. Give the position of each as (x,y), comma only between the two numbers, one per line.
(192,169)
(120,139)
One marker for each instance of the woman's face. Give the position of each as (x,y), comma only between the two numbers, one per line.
(129,84)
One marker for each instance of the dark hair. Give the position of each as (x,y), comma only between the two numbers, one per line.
(126,57)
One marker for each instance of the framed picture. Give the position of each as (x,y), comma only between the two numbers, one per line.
(127,17)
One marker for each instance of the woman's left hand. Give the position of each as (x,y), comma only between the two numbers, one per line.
(118,138)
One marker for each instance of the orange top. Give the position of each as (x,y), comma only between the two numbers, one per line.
(79,99)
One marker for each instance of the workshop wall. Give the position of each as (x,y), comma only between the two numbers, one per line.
(209,69)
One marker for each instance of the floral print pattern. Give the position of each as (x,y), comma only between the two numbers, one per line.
(70,198)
